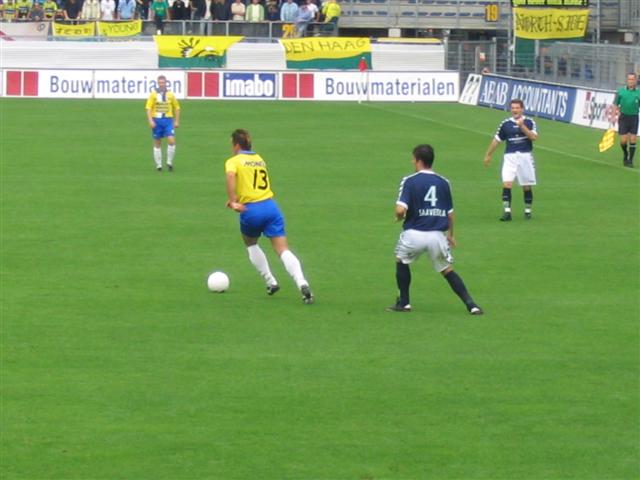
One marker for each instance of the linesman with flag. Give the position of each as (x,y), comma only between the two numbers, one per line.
(627,102)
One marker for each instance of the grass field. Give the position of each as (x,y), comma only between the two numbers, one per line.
(117,363)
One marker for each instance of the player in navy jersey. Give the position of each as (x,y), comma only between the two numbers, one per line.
(426,206)
(519,132)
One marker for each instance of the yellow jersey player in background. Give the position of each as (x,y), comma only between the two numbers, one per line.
(249,193)
(163,115)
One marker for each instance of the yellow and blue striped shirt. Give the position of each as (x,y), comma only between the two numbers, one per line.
(162,104)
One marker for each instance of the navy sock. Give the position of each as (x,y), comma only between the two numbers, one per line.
(506,199)
(403,279)
(632,151)
(528,199)
(626,153)
(457,285)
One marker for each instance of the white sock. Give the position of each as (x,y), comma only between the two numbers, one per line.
(157,156)
(171,152)
(259,260)
(292,264)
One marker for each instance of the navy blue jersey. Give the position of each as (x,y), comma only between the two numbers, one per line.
(516,140)
(427,198)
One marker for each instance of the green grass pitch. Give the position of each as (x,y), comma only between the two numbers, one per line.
(117,363)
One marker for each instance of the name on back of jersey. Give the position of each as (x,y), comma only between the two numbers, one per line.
(432,212)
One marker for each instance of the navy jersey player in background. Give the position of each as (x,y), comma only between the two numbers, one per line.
(426,206)
(519,132)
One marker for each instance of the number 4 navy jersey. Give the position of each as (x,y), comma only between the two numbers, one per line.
(427,198)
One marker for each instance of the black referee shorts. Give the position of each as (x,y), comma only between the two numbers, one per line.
(627,124)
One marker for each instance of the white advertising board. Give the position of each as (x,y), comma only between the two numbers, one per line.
(24,31)
(594,108)
(471,91)
(136,84)
(65,83)
(106,83)
(387,86)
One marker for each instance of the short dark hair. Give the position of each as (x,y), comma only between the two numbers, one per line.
(242,138)
(424,153)
(518,101)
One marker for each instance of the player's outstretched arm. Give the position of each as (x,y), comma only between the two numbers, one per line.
(492,148)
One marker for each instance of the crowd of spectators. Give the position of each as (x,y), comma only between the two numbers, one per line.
(296,13)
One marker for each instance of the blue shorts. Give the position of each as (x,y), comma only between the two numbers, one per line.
(163,128)
(262,217)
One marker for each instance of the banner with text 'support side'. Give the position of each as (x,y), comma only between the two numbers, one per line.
(387,86)
(547,23)
(544,100)
(87,29)
(105,83)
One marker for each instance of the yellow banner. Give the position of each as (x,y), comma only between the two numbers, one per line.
(542,23)
(194,46)
(82,30)
(120,29)
(312,48)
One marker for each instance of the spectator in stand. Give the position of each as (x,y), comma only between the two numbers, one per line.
(288,11)
(304,15)
(108,10)
(126,9)
(37,12)
(160,10)
(50,8)
(60,15)
(142,9)
(198,9)
(72,9)
(238,10)
(219,10)
(315,10)
(198,12)
(255,12)
(331,12)
(23,7)
(9,11)
(180,11)
(272,11)
(90,10)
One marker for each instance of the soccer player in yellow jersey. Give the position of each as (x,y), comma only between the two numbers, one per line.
(249,193)
(163,115)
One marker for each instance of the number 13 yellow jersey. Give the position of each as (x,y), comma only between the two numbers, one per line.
(252,180)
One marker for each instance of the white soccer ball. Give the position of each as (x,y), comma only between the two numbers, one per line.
(218,282)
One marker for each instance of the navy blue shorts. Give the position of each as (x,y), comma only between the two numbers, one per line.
(262,218)
(163,128)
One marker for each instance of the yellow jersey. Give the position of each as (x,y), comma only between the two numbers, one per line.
(162,104)
(252,179)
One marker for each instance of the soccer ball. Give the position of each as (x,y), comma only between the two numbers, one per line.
(218,282)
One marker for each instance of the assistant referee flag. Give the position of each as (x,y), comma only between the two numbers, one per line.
(608,139)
